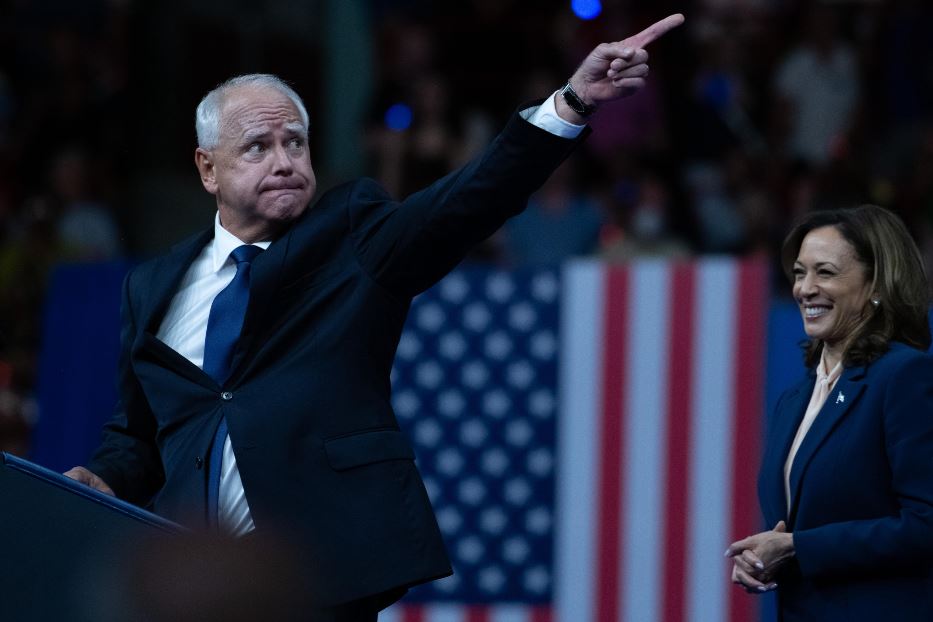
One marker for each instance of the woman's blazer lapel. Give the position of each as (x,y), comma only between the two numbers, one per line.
(841,401)
(786,419)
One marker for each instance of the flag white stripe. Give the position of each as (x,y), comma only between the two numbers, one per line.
(710,466)
(442,612)
(509,613)
(578,427)
(391,614)
(644,468)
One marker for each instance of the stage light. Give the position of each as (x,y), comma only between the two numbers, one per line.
(398,117)
(586,9)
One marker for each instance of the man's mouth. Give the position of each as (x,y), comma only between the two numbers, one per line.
(283,186)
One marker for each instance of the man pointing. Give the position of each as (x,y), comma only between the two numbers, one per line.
(254,374)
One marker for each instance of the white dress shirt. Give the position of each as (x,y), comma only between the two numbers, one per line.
(184,327)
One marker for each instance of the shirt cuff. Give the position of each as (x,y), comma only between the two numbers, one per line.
(545,116)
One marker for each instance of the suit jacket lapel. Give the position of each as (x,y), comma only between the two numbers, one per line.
(165,278)
(837,406)
(786,422)
(160,289)
(266,272)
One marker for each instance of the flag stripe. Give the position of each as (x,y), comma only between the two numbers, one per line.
(645,389)
(402,613)
(510,613)
(446,612)
(678,440)
(610,446)
(580,395)
(710,456)
(749,399)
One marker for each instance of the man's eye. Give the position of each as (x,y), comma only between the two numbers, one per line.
(255,148)
(295,143)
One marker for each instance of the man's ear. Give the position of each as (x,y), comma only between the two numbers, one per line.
(204,160)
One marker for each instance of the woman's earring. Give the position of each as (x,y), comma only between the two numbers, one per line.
(875,302)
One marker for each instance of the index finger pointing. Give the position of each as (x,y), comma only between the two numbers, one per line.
(655,31)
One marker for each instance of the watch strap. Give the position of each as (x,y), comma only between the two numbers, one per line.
(575,102)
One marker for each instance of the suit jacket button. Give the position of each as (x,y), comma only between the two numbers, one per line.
(198,463)
(226,396)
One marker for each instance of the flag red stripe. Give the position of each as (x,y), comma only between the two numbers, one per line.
(477,614)
(749,402)
(608,538)
(412,613)
(679,389)
(540,614)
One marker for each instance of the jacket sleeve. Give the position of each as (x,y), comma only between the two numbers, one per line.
(128,459)
(904,540)
(407,246)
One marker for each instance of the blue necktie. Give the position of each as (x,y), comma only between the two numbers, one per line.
(223,329)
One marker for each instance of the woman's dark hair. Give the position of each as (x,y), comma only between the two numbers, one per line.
(894,268)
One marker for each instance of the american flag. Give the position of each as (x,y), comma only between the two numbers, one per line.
(588,437)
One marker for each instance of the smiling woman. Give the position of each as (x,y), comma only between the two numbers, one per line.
(859,280)
(832,288)
(846,477)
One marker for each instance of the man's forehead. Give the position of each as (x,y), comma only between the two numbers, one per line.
(251,105)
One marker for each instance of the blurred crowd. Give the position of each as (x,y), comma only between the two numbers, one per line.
(62,144)
(755,112)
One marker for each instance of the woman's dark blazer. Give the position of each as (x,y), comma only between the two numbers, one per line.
(862,494)
(308,400)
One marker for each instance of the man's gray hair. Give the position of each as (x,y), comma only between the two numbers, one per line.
(207,115)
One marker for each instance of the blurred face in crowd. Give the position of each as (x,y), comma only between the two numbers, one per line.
(830,286)
(260,171)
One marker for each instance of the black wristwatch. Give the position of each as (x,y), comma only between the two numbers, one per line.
(575,102)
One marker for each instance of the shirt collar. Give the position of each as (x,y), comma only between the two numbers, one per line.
(225,242)
(821,373)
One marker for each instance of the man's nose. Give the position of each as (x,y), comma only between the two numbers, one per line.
(282,161)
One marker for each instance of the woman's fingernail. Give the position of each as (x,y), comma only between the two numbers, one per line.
(759,566)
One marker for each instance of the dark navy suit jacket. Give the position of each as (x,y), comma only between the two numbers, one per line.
(307,403)
(862,494)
